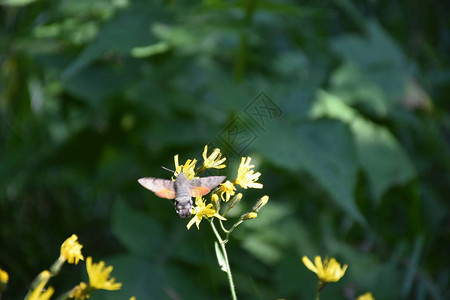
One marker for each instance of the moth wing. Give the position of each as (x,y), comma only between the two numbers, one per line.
(202,186)
(161,187)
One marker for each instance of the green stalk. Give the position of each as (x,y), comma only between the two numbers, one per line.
(225,256)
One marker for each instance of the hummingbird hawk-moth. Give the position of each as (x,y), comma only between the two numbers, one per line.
(182,189)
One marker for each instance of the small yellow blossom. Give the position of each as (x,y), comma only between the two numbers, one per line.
(4,277)
(37,293)
(248,216)
(202,210)
(188,168)
(328,271)
(215,160)
(71,250)
(366,296)
(246,177)
(133,298)
(226,190)
(80,292)
(99,276)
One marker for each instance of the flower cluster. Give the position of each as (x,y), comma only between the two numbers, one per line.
(99,275)
(246,178)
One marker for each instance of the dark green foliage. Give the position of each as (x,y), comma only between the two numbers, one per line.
(344,110)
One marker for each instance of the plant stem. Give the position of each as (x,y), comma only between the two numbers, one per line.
(225,256)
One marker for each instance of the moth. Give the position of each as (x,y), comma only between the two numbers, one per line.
(182,189)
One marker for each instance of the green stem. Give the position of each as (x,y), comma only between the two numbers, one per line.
(320,286)
(225,256)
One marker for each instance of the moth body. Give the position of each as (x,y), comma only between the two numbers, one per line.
(183,199)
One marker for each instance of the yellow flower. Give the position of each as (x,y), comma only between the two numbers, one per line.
(37,293)
(99,274)
(329,271)
(226,190)
(188,168)
(215,160)
(80,292)
(133,298)
(366,296)
(71,250)
(3,277)
(202,210)
(247,177)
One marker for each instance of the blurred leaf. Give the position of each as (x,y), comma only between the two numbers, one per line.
(323,148)
(139,278)
(379,56)
(16,2)
(413,265)
(154,49)
(220,258)
(96,83)
(115,35)
(377,148)
(137,231)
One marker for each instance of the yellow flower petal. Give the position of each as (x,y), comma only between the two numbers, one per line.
(99,276)
(202,210)
(38,293)
(328,271)
(226,190)
(246,177)
(71,250)
(214,160)
(4,277)
(307,262)
(80,292)
(366,296)
(188,168)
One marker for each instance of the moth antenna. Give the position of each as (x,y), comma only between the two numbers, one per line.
(167,169)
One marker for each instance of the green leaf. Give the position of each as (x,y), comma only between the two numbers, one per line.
(378,55)
(137,231)
(128,29)
(379,153)
(16,2)
(220,258)
(323,148)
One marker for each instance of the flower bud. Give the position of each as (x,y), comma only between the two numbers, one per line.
(215,202)
(261,202)
(234,201)
(248,216)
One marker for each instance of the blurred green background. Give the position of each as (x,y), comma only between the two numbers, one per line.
(342,105)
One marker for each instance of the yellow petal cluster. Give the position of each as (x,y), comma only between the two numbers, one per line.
(80,292)
(366,296)
(71,250)
(246,177)
(38,292)
(188,168)
(214,160)
(202,210)
(99,276)
(226,190)
(328,271)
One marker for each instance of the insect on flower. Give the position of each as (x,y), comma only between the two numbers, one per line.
(182,189)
